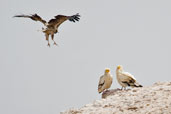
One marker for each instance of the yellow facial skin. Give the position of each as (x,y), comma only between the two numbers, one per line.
(119,67)
(107,70)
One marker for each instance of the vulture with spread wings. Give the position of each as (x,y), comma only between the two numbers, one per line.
(53,24)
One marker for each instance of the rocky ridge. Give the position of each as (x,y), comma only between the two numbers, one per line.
(155,99)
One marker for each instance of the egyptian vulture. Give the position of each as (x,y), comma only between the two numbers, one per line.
(125,79)
(52,25)
(105,81)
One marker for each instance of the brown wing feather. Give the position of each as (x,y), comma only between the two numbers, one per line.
(59,19)
(34,17)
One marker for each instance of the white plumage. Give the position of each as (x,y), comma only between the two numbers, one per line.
(105,81)
(125,79)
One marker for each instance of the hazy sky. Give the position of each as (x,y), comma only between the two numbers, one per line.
(36,79)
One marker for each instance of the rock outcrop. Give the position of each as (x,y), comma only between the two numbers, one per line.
(155,99)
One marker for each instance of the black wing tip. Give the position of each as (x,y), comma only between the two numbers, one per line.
(75,17)
(77,14)
(140,86)
(16,16)
(21,15)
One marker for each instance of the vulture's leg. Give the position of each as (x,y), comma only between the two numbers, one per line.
(52,35)
(122,88)
(47,38)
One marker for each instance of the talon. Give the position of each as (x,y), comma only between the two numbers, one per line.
(55,43)
(48,45)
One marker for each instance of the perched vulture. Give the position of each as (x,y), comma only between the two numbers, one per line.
(53,24)
(105,81)
(125,79)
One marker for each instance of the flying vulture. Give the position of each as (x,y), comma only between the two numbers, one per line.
(53,24)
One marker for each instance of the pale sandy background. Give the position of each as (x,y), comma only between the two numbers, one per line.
(35,79)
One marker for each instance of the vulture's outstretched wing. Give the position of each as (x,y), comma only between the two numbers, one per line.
(34,17)
(59,19)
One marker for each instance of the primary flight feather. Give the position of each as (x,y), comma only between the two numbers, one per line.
(53,24)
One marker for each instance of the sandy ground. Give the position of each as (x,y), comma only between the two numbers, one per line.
(155,99)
